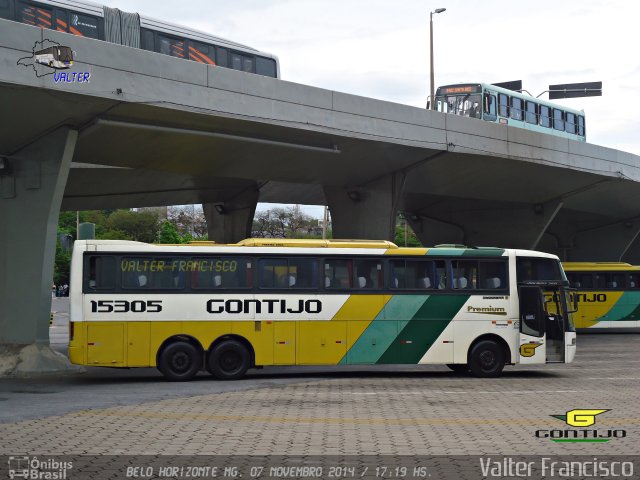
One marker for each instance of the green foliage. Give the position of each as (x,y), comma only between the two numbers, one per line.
(140,226)
(404,231)
(61,266)
(169,233)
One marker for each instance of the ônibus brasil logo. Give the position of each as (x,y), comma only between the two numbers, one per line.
(581,418)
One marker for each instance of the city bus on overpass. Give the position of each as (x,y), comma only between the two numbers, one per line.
(228,308)
(608,294)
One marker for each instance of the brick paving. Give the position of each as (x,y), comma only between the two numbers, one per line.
(410,413)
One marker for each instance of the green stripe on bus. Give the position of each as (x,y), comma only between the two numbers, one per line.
(626,308)
(383,330)
(425,327)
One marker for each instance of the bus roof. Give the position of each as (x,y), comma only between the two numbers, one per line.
(598,266)
(305,246)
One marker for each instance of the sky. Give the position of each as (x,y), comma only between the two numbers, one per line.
(380,48)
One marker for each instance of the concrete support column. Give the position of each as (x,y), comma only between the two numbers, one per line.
(30,198)
(230,221)
(366,212)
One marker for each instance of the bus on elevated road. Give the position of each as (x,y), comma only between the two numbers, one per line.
(508,107)
(228,308)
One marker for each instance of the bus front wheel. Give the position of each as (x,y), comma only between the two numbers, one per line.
(180,361)
(486,359)
(229,360)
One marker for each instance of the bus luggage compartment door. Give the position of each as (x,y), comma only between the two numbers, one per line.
(105,344)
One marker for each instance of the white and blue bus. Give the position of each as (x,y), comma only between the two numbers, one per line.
(92,20)
(508,107)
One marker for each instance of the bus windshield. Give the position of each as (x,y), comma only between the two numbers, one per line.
(64,54)
(464,105)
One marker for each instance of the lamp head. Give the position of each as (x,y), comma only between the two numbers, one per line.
(439,10)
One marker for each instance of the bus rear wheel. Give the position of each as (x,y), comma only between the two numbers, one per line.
(486,359)
(180,361)
(229,360)
(459,368)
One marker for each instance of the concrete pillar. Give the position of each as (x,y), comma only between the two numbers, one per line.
(30,198)
(365,212)
(230,221)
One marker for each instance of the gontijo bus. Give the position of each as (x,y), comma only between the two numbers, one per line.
(608,294)
(228,308)
(508,107)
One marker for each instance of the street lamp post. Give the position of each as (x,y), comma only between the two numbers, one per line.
(437,10)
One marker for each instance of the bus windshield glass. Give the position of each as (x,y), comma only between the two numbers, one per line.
(466,105)
(64,54)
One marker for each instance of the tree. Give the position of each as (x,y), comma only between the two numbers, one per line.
(285,223)
(168,233)
(140,226)
(189,221)
(403,233)
(61,266)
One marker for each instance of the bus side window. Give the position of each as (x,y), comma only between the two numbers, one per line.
(201,53)
(503,105)
(581,125)
(102,273)
(633,281)
(62,20)
(5,9)
(531,115)
(489,107)
(493,276)
(37,16)
(570,125)
(558,119)
(171,46)
(545,116)
(146,40)
(516,109)
(266,67)
(222,55)
(84,25)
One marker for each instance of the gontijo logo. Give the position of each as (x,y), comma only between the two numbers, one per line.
(581,418)
(529,349)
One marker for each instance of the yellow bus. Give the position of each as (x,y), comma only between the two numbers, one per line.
(228,308)
(608,294)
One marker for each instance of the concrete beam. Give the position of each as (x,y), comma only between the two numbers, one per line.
(366,211)
(230,221)
(30,198)
(520,226)
(608,243)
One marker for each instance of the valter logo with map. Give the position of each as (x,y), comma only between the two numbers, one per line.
(51,58)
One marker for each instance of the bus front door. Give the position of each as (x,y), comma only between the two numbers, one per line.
(532,347)
(554,312)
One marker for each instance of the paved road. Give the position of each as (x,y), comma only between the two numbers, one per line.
(323,411)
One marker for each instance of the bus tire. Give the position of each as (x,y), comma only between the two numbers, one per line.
(229,360)
(486,359)
(180,361)
(459,368)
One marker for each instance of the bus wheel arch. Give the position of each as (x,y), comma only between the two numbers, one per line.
(229,357)
(487,356)
(180,358)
